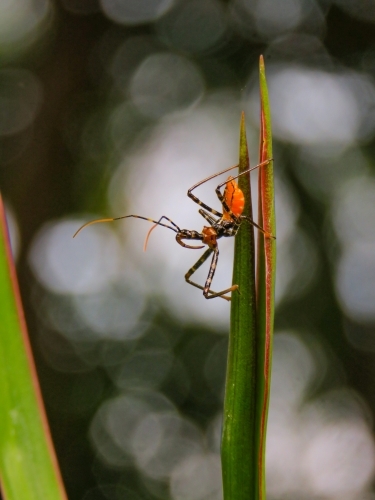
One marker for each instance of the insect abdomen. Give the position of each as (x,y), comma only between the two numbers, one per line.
(234,198)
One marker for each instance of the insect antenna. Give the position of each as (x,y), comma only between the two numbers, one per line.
(147,237)
(89,224)
(176,229)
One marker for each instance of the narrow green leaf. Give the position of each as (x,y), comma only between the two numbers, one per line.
(237,449)
(266,262)
(28,466)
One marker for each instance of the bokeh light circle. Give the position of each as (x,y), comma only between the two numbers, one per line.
(164,83)
(355,282)
(161,440)
(313,107)
(341,460)
(20,19)
(135,11)
(353,209)
(85,264)
(193,26)
(197,478)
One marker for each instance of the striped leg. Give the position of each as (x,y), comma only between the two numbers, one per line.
(194,198)
(206,288)
(208,217)
(221,196)
(209,209)
(210,276)
(158,223)
(198,201)
(206,207)
(169,220)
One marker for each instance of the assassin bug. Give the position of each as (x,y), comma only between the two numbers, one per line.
(224,224)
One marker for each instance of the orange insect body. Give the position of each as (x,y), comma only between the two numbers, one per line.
(209,236)
(234,198)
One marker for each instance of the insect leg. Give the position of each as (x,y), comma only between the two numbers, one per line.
(198,201)
(209,279)
(169,220)
(196,266)
(158,224)
(266,234)
(206,288)
(208,217)
(263,164)
(221,196)
(209,178)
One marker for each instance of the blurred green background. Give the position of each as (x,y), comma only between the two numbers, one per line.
(114,107)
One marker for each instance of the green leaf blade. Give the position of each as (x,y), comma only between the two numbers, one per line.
(28,465)
(237,450)
(266,270)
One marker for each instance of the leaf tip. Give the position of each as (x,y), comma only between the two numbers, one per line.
(244,154)
(262,74)
(243,124)
(243,139)
(261,63)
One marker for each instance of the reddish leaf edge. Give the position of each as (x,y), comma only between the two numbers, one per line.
(266,219)
(28,351)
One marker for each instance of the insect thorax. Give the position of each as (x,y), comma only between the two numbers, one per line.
(226,228)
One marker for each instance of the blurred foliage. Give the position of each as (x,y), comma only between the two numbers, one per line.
(103,107)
